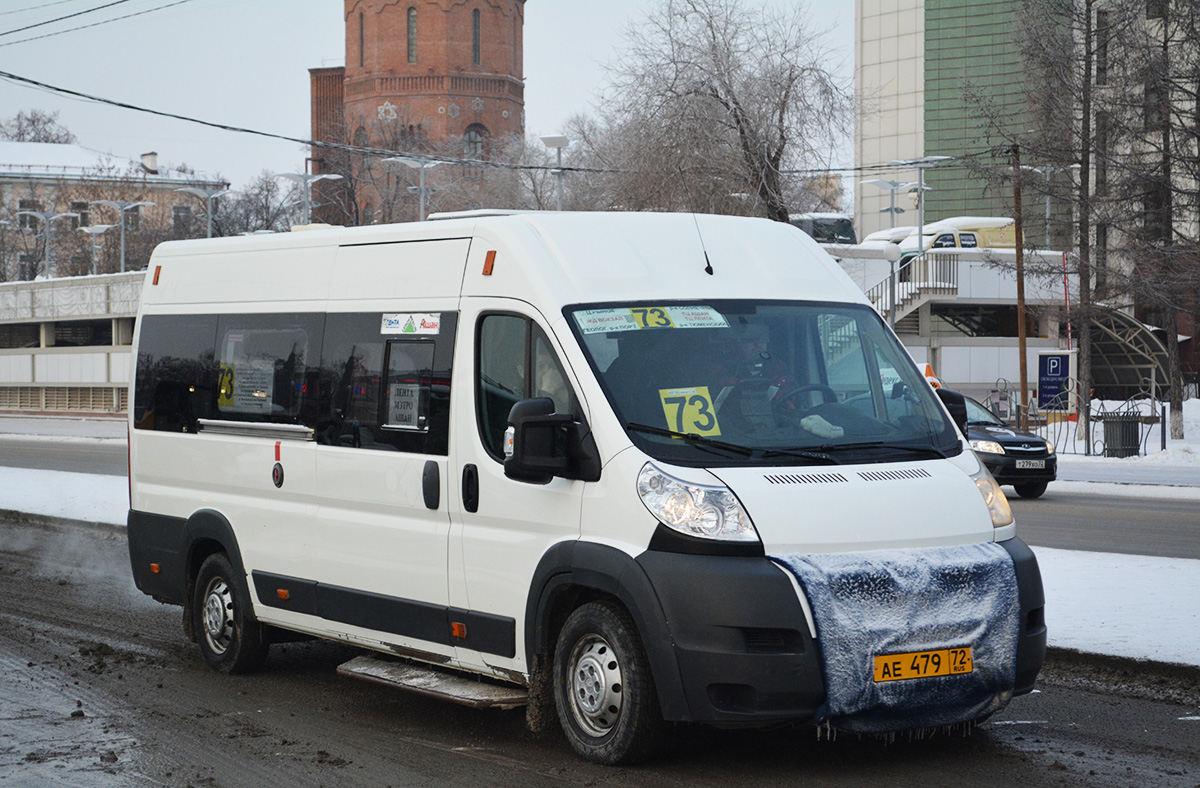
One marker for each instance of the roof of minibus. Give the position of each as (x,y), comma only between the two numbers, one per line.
(578,257)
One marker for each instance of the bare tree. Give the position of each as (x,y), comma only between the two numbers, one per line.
(1112,93)
(263,205)
(714,98)
(35,126)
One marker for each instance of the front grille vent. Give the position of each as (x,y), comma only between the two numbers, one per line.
(889,476)
(1027,449)
(805,478)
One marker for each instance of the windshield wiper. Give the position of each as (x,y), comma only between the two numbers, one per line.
(930,449)
(804,454)
(700,441)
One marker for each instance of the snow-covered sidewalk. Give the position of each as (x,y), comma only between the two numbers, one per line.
(1099,603)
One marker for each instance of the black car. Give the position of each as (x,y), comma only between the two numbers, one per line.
(1022,459)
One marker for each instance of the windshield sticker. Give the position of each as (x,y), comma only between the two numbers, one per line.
(595,321)
(428,323)
(690,410)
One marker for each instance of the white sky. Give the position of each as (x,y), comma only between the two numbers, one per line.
(245,63)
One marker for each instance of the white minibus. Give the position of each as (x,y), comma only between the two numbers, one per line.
(626,469)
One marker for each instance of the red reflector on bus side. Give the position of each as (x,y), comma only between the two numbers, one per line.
(154,568)
(488,262)
(458,630)
(157,271)
(277,450)
(282,593)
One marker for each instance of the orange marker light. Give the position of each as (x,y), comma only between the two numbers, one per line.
(488,262)
(458,630)
(282,593)
(154,568)
(157,271)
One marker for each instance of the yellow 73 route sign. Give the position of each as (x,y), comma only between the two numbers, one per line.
(690,410)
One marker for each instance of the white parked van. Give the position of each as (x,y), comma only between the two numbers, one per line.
(632,468)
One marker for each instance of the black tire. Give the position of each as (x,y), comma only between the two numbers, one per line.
(230,639)
(603,688)
(1030,489)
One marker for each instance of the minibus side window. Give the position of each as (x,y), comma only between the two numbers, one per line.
(409,381)
(503,343)
(176,372)
(385,391)
(842,350)
(263,366)
(516,361)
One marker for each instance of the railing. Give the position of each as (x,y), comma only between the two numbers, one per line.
(1139,415)
(103,296)
(931,273)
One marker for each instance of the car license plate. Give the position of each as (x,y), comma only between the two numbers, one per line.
(1023,465)
(923,664)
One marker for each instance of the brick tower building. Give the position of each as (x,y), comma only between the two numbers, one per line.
(442,76)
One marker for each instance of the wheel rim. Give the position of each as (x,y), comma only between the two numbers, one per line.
(218,615)
(596,691)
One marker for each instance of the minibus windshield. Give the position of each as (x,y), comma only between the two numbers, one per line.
(725,382)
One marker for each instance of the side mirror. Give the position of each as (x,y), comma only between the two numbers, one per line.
(956,405)
(540,444)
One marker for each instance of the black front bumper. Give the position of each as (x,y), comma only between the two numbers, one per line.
(743,650)
(1003,468)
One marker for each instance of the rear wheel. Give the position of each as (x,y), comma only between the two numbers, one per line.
(603,688)
(1030,489)
(230,639)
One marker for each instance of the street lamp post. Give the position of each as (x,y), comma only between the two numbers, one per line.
(95,231)
(306,180)
(920,165)
(46,218)
(208,195)
(893,187)
(421,164)
(121,206)
(558,143)
(1049,171)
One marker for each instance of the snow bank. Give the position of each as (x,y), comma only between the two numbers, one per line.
(1123,605)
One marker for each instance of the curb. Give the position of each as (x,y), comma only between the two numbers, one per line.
(48,522)
(1122,667)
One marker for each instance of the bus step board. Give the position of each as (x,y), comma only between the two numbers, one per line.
(457,688)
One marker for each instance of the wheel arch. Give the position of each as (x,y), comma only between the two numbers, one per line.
(571,574)
(207,532)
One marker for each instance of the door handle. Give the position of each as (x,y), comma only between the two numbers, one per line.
(431,485)
(470,487)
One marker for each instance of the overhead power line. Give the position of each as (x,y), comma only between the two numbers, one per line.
(61,18)
(365,151)
(34,7)
(298,140)
(96,24)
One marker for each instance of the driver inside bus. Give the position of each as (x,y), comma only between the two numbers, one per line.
(746,358)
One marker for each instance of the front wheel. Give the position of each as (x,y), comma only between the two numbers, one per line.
(1030,489)
(230,639)
(603,688)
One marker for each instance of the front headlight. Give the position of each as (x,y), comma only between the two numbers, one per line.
(987,447)
(993,496)
(1049,447)
(699,510)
